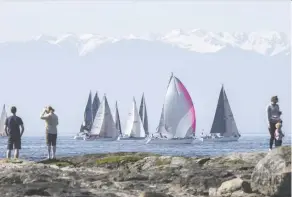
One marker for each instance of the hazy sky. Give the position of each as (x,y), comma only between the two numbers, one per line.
(22,20)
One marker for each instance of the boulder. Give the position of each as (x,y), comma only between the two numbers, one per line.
(272,175)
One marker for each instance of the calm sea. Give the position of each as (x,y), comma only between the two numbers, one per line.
(34,148)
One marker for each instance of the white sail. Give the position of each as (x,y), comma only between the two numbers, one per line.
(103,124)
(179,113)
(2,121)
(134,126)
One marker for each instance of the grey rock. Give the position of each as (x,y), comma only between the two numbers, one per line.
(272,175)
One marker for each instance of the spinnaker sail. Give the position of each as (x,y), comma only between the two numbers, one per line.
(178,116)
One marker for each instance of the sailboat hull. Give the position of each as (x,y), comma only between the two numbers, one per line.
(132,138)
(76,137)
(220,139)
(96,138)
(170,141)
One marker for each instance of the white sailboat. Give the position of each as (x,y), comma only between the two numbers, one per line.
(224,128)
(134,129)
(2,122)
(87,122)
(178,120)
(103,127)
(143,115)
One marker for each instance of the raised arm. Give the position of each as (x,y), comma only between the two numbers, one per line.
(44,115)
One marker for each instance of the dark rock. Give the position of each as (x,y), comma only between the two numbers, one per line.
(154,194)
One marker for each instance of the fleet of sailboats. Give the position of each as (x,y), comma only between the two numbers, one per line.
(103,127)
(2,122)
(89,115)
(177,124)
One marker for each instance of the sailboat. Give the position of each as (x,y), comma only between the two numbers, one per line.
(95,105)
(177,123)
(143,114)
(2,122)
(134,129)
(103,127)
(87,122)
(117,120)
(224,128)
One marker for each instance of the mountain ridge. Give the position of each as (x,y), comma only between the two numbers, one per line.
(269,43)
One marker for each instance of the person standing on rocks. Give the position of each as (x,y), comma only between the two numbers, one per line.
(51,123)
(12,128)
(273,114)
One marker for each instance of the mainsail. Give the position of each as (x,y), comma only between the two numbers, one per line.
(2,121)
(117,119)
(87,115)
(143,114)
(95,105)
(103,124)
(224,122)
(178,111)
(134,126)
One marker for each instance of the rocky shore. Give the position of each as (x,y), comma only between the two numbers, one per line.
(149,175)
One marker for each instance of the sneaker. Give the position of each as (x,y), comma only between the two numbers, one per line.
(270,149)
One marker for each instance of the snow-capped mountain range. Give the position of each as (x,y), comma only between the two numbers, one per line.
(267,43)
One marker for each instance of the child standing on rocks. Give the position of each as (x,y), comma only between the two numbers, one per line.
(278,134)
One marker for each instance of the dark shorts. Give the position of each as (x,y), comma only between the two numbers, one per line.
(278,143)
(14,142)
(51,139)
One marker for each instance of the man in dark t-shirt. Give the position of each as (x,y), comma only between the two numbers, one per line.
(12,128)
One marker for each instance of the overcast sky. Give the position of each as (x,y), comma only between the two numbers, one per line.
(23,20)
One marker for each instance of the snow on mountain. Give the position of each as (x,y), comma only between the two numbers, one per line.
(268,43)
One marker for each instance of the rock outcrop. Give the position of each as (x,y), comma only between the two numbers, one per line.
(139,174)
(272,174)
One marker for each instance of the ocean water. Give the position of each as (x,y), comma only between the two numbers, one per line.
(34,148)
